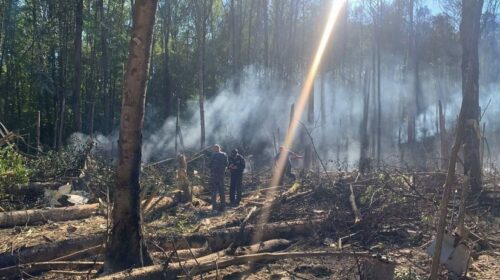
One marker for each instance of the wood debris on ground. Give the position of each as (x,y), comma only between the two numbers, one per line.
(393,220)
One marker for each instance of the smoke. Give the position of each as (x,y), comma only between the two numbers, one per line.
(255,118)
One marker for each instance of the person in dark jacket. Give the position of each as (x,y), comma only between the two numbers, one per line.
(287,170)
(217,165)
(236,167)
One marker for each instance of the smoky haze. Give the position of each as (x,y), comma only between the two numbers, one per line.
(248,119)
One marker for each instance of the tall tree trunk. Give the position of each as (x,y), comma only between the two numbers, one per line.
(467,120)
(379,97)
(104,87)
(77,79)
(127,247)
(443,138)
(167,11)
(411,107)
(266,32)
(469,38)
(364,162)
(308,155)
(203,8)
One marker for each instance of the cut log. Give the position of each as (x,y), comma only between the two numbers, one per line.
(37,216)
(266,207)
(13,272)
(221,239)
(239,238)
(266,246)
(194,268)
(156,205)
(49,251)
(85,253)
(215,241)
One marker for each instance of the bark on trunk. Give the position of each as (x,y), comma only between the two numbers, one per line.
(167,10)
(77,79)
(127,247)
(443,138)
(308,153)
(469,38)
(469,35)
(104,87)
(364,161)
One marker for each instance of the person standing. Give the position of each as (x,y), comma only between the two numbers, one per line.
(236,167)
(287,169)
(217,166)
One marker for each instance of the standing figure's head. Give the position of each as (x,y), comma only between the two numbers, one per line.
(234,152)
(216,148)
(282,149)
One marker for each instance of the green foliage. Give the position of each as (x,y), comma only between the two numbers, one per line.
(66,162)
(13,169)
(367,195)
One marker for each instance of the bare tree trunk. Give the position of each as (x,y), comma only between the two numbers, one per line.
(469,35)
(364,162)
(292,114)
(411,111)
(61,120)
(104,87)
(266,33)
(444,138)
(77,79)
(167,11)
(177,127)
(322,97)
(469,38)
(202,15)
(127,247)
(379,98)
(38,121)
(308,155)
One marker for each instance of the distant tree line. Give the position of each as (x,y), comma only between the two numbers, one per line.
(66,58)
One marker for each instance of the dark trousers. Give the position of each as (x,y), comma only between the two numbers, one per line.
(235,187)
(217,187)
(288,172)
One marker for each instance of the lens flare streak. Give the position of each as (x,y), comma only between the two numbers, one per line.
(301,104)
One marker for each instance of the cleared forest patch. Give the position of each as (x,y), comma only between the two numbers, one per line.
(315,216)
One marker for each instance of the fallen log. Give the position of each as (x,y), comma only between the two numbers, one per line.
(32,188)
(36,216)
(156,205)
(13,272)
(263,247)
(185,254)
(215,241)
(175,270)
(85,253)
(277,202)
(49,251)
(266,246)
(221,239)
(239,238)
